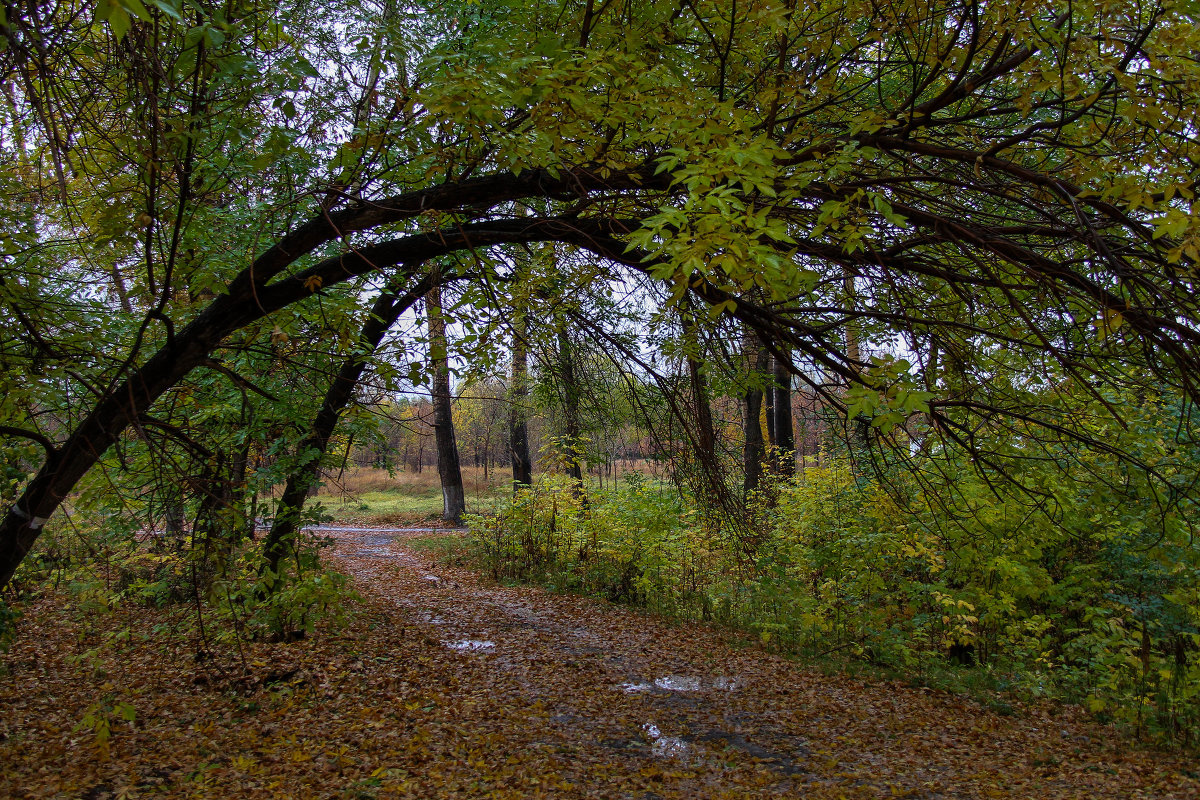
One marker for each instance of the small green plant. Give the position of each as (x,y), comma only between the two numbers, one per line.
(8,624)
(102,717)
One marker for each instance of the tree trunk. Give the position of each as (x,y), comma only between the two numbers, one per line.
(241,464)
(769,402)
(217,512)
(785,440)
(705,435)
(706,439)
(754,451)
(704,443)
(861,426)
(303,479)
(487,446)
(453,496)
(518,424)
(572,434)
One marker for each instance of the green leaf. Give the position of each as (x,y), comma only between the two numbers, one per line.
(135,8)
(171,8)
(116,17)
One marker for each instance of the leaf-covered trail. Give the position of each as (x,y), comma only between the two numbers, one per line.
(603,685)
(442,685)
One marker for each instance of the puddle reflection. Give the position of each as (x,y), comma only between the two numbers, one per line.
(682,683)
(471,645)
(634,688)
(678,683)
(664,746)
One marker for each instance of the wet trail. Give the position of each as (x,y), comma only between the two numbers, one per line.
(658,701)
(439,684)
(608,682)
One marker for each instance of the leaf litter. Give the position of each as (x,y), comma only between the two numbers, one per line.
(572,697)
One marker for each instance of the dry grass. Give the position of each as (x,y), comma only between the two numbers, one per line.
(373,496)
(370,479)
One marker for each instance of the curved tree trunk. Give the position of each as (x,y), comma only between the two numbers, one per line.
(263,288)
(453,497)
(254,294)
(303,479)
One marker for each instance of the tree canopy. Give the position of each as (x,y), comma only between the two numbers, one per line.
(203,199)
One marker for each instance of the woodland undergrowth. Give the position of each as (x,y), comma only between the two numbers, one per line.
(218,588)
(1095,602)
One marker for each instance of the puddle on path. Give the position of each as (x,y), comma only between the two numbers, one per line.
(372,545)
(681,683)
(664,746)
(471,645)
(634,688)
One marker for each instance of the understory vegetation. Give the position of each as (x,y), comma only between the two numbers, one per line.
(1083,592)
(221,593)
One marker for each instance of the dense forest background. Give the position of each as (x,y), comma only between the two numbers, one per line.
(868,328)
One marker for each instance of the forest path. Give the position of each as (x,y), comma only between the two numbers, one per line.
(615,699)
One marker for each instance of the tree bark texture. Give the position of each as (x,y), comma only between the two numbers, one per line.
(518,426)
(572,429)
(785,437)
(449,470)
(754,450)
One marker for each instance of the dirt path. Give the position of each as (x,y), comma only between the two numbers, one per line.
(440,685)
(606,686)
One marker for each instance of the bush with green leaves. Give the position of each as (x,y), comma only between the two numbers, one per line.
(113,563)
(635,542)
(1085,587)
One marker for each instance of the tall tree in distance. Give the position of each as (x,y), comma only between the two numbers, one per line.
(754,358)
(518,425)
(785,436)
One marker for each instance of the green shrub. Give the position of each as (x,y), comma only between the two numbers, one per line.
(1091,603)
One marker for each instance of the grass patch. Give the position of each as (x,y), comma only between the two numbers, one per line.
(377,497)
(384,506)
